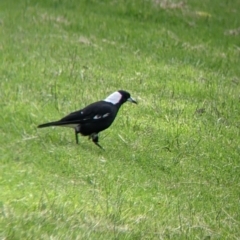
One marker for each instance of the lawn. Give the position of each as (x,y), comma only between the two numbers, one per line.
(170,169)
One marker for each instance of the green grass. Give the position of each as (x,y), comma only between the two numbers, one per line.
(171,165)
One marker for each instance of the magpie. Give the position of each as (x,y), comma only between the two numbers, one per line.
(95,117)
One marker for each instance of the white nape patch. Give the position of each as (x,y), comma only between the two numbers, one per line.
(114,98)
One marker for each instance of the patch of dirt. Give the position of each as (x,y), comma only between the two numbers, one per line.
(56,19)
(232,32)
(167,4)
(84,40)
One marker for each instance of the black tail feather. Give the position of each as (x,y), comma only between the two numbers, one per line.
(49,124)
(59,123)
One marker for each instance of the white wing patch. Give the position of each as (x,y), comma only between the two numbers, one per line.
(101,116)
(97,116)
(105,115)
(114,98)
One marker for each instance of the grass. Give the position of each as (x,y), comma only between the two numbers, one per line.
(171,165)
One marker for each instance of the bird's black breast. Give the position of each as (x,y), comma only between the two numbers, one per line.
(94,118)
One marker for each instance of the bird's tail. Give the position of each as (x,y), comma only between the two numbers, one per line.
(50,124)
(71,124)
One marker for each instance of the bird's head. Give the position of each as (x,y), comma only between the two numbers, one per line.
(120,97)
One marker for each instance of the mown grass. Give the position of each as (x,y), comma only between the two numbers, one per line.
(171,165)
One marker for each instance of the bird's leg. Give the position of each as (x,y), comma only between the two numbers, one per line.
(95,140)
(76,136)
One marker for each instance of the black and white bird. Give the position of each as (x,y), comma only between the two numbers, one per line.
(95,117)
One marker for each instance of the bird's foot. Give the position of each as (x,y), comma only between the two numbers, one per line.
(99,145)
(94,138)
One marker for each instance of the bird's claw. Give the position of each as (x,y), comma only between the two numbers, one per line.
(94,138)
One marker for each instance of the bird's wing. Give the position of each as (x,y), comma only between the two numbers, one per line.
(94,112)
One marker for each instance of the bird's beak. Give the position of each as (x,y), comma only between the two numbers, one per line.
(131,100)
